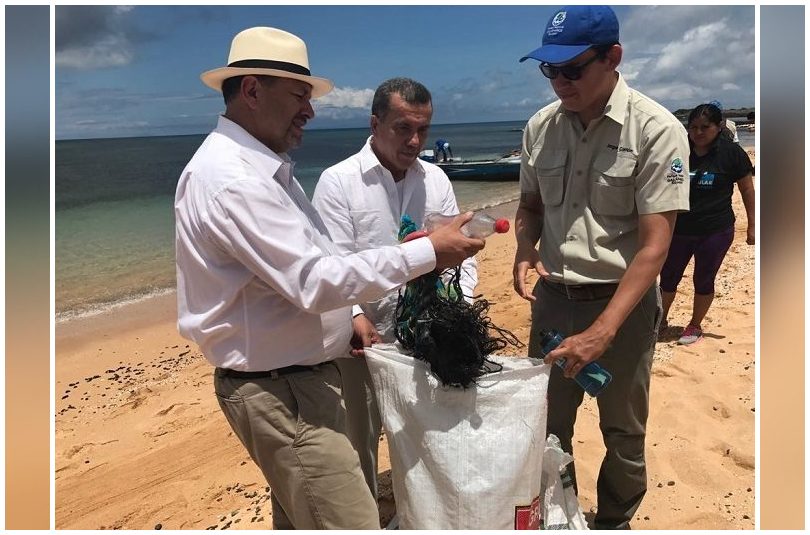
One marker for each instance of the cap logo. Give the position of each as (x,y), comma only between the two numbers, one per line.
(556,25)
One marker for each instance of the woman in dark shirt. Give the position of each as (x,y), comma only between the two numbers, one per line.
(707,229)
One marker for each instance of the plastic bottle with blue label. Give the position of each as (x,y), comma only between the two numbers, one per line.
(593,378)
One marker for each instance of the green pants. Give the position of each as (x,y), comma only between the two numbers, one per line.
(294,428)
(623,405)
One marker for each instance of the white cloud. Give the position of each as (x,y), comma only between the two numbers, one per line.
(112,51)
(631,69)
(691,61)
(676,92)
(346,97)
(344,103)
(93,37)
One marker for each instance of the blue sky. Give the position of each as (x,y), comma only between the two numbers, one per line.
(134,70)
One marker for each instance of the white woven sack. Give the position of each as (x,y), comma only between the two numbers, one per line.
(463,459)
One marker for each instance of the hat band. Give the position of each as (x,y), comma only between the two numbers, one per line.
(269,64)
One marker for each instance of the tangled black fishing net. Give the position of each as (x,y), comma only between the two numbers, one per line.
(455,337)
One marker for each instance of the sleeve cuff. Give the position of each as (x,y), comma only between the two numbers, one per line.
(420,256)
(660,207)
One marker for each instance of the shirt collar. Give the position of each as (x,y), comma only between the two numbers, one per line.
(616,107)
(369,161)
(278,165)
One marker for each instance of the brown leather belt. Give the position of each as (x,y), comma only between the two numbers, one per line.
(273,374)
(582,292)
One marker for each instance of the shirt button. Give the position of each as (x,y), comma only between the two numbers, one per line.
(575,205)
(579,172)
(572,238)
(584,140)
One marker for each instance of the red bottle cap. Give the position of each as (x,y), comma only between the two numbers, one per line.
(502,226)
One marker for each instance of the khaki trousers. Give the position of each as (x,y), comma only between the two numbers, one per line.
(363,424)
(623,405)
(294,428)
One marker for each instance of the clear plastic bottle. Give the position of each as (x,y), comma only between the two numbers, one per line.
(480,226)
(593,378)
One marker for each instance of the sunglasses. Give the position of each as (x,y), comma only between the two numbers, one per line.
(571,72)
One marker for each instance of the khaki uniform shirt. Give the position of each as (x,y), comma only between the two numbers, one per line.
(595,182)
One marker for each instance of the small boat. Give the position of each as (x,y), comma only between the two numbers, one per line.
(506,167)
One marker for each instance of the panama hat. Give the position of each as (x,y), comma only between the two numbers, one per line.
(270,52)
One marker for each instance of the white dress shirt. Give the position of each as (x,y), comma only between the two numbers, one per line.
(259,284)
(362,206)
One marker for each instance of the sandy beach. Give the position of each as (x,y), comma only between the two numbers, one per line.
(142,444)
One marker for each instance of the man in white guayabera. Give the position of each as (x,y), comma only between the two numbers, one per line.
(362,200)
(266,295)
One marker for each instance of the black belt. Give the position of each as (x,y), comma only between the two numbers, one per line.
(582,292)
(273,374)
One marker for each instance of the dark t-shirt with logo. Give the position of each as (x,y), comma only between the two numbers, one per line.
(712,179)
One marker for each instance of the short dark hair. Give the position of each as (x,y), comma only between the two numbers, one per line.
(411,92)
(602,50)
(231,86)
(712,113)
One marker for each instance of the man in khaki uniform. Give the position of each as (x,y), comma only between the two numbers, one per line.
(603,175)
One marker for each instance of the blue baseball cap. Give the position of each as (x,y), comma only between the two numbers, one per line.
(573,30)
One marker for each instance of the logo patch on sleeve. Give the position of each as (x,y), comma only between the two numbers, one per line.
(675,174)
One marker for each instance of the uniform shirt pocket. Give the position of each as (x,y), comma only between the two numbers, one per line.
(549,166)
(613,189)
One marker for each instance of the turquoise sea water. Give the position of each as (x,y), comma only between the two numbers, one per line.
(114,197)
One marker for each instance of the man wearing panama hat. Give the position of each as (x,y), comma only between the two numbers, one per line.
(603,174)
(264,293)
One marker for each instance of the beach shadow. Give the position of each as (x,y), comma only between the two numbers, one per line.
(713,336)
(673,332)
(670,334)
(385,498)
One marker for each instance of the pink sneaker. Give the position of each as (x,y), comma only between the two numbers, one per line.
(690,335)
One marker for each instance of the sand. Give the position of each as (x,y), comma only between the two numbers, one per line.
(141,443)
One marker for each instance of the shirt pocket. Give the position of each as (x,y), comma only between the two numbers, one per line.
(367,226)
(549,166)
(613,190)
